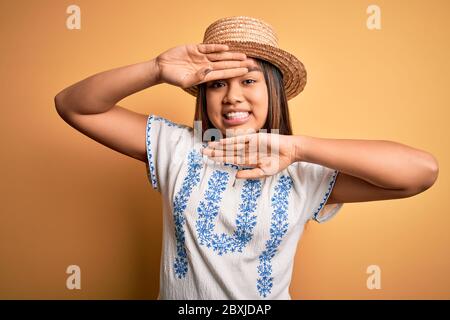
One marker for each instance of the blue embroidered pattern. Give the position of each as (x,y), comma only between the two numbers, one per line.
(179,206)
(150,157)
(209,208)
(325,198)
(278,228)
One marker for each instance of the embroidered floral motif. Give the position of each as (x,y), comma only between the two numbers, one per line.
(278,228)
(209,208)
(325,198)
(179,206)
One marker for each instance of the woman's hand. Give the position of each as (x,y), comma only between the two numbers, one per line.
(188,65)
(267,153)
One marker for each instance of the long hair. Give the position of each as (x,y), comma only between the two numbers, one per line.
(278,112)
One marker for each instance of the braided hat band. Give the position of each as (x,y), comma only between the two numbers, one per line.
(256,39)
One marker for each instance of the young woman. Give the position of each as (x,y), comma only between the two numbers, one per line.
(235,208)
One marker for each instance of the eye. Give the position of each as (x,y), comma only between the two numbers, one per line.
(213,85)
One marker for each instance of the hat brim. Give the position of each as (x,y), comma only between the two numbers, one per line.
(293,70)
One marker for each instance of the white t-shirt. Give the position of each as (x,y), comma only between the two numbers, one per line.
(228,238)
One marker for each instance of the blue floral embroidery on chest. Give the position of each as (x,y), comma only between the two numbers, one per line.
(179,206)
(278,228)
(208,210)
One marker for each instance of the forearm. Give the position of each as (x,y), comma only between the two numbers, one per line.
(100,92)
(386,164)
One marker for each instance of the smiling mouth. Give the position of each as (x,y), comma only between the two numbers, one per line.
(236,115)
(236,118)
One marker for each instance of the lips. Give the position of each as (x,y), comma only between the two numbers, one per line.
(238,119)
(236,114)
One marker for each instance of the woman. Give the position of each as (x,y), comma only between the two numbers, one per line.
(235,209)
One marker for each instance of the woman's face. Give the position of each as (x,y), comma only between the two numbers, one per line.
(238,103)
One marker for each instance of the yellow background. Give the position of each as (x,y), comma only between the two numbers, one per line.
(67,200)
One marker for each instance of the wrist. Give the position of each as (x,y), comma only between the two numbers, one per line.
(301,147)
(155,71)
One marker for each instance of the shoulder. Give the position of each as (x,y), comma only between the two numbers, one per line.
(159,127)
(167,122)
(305,172)
(156,120)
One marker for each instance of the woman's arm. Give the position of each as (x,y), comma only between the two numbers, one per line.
(100,92)
(90,107)
(370,169)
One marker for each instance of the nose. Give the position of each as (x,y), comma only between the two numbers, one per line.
(234,94)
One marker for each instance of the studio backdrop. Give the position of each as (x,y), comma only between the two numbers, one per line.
(75,212)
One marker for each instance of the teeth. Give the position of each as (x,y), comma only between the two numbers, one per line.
(236,115)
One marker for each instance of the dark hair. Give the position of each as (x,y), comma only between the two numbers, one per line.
(278,112)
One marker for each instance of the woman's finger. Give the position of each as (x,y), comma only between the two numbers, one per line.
(229,64)
(212,47)
(225,65)
(242,150)
(242,161)
(237,146)
(240,157)
(220,153)
(226,56)
(228,159)
(243,138)
(225,74)
(255,173)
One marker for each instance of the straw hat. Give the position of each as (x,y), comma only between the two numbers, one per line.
(256,39)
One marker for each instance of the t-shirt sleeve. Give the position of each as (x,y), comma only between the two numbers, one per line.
(317,183)
(167,143)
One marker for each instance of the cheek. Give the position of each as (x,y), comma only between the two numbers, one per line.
(215,118)
(260,100)
(214,111)
(261,109)
(260,115)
